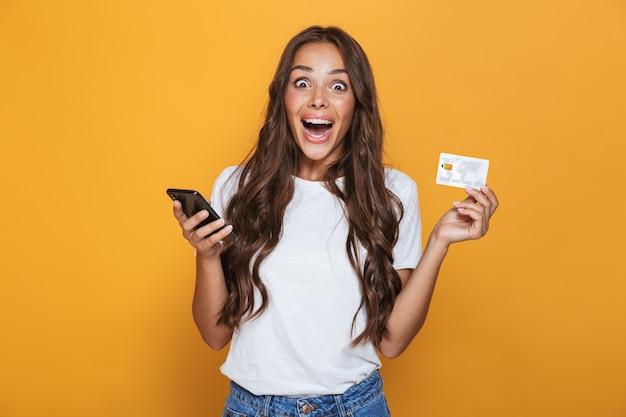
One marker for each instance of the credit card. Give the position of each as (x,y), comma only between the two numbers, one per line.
(461,171)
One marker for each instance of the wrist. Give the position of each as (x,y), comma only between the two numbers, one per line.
(437,243)
(207,257)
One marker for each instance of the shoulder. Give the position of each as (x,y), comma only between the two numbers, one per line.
(225,185)
(229,175)
(398,182)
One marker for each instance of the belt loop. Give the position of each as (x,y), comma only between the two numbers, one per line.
(340,407)
(266,405)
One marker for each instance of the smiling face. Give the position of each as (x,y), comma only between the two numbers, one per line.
(319,102)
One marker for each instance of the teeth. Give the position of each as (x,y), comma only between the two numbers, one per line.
(318,121)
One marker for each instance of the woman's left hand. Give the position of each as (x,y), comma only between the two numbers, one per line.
(468,219)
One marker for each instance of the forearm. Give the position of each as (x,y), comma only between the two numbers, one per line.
(412,303)
(208,301)
(467,220)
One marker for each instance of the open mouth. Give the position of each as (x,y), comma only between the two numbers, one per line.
(317,128)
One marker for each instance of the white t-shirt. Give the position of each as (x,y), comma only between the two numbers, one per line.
(301,344)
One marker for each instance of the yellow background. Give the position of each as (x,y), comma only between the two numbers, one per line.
(105,104)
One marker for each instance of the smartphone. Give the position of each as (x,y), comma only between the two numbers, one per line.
(192,202)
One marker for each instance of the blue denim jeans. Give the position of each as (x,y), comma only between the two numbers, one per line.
(365,399)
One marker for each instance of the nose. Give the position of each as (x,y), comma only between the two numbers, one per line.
(318,98)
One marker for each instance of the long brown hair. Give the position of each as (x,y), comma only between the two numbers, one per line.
(266,185)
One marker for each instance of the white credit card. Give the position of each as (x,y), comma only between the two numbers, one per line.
(461,171)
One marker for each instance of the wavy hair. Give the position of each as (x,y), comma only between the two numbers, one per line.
(266,186)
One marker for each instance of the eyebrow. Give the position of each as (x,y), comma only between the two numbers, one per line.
(309,69)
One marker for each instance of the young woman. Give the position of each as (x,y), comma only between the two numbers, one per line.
(328,271)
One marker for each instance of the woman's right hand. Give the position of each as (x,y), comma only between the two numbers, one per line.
(205,245)
(210,292)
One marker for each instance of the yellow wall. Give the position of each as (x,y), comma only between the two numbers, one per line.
(105,104)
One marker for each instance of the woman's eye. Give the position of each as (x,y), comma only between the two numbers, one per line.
(338,85)
(302,83)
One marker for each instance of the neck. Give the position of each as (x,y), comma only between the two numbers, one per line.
(312,172)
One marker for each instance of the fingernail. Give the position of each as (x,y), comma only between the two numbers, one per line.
(469,189)
(204,214)
(456,203)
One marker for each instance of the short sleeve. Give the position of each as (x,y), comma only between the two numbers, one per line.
(408,249)
(223,189)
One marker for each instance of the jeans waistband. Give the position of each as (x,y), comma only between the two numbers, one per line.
(354,396)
